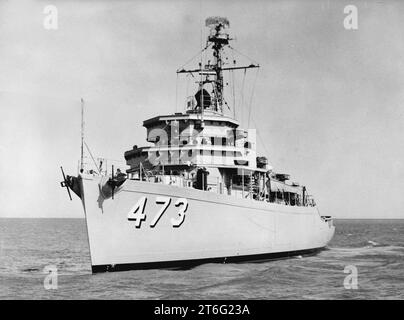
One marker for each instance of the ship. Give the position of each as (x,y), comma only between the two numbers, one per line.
(198,192)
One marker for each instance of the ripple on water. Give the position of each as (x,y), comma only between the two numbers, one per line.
(376,249)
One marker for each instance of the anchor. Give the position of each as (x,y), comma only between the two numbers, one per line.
(65,183)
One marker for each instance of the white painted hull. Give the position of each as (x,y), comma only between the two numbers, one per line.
(216,227)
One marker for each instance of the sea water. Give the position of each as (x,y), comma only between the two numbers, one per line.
(370,250)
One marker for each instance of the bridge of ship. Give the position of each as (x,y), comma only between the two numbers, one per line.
(210,154)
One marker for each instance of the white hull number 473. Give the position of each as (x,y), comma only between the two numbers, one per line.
(137,213)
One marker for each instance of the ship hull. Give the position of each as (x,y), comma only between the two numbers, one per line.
(196,227)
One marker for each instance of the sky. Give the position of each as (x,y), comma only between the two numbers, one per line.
(327,105)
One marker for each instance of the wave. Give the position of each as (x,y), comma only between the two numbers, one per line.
(30,270)
(373,243)
(368,248)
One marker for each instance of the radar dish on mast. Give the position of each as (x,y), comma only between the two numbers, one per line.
(214,21)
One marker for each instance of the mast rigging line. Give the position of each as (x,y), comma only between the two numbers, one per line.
(199,52)
(242,95)
(251,98)
(113,160)
(233,85)
(95,163)
(241,108)
(259,136)
(243,54)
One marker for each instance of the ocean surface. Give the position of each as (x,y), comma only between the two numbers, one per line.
(374,247)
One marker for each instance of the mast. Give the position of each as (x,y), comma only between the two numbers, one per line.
(82,137)
(218,39)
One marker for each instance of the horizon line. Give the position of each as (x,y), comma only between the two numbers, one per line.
(83,218)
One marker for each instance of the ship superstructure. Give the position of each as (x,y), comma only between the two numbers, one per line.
(199,192)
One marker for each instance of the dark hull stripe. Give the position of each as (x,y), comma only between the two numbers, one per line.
(187,264)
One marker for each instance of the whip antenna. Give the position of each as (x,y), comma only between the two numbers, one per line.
(82,137)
